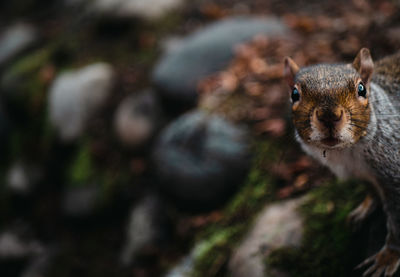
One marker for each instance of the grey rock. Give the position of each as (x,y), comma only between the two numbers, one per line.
(183,269)
(20,253)
(201,159)
(16,39)
(39,264)
(22,177)
(76,96)
(205,52)
(149,9)
(80,201)
(278,225)
(147,224)
(171,43)
(12,246)
(137,118)
(17,178)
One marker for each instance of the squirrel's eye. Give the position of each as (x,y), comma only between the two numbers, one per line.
(295,95)
(362,91)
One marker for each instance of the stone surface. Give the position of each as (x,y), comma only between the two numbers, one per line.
(12,246)
(201,159)
(80,201)
(204,52)
(22,256)
(22,177)
(77,95)
(278,225)
(149,9)
(137,118)
(183,269)
(16,39)
(147,225)
(39,265)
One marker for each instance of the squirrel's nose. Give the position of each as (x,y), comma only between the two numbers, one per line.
(329,117)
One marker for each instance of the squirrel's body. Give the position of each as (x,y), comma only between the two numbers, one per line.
(349,120)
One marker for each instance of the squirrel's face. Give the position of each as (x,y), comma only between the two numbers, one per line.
(330,103)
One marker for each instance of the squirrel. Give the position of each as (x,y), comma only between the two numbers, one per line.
(347,116)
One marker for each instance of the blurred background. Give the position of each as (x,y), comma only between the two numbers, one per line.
(153,138)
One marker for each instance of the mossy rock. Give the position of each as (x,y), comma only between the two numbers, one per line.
(217,241)
(329,241)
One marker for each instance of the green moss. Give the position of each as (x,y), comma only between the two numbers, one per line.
(216,241)
(327,237)
(85,170)
(25,93)
(81,170)
(30,63)
(212,254)
(111,182)
(23,80)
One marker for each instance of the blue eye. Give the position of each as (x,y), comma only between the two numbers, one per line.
(295,95)
(362,90)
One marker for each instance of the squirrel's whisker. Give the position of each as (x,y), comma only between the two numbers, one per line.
(358,126)
(358,120)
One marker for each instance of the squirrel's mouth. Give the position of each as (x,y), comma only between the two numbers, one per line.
(330,141)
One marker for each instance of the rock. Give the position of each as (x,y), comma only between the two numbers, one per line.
(279,225)
(205,52)
(16,39)
(149,10)
(80,201)
(171,43)
(76,96)
(137,118)
(14,247)
(20,256)
(200,160)
(147,226)
(183,269)
(22,177)
(39,264)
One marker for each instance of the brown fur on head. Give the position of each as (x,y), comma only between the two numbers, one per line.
(330,109)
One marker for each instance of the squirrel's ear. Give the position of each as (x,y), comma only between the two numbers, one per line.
(291,68)
(364,65)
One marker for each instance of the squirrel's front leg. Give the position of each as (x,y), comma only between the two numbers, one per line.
(362,211)
(387,260)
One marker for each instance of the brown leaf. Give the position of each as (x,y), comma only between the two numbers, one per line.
(213,11)
(275,127)
(285,192)
(258,66)
(229,82)
(302,164)
(300,181)
(260,113)
(138,166)
(47,73)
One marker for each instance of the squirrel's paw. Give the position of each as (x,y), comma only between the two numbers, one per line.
(357,216)
(386,262)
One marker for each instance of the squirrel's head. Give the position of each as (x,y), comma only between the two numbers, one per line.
(330,102)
